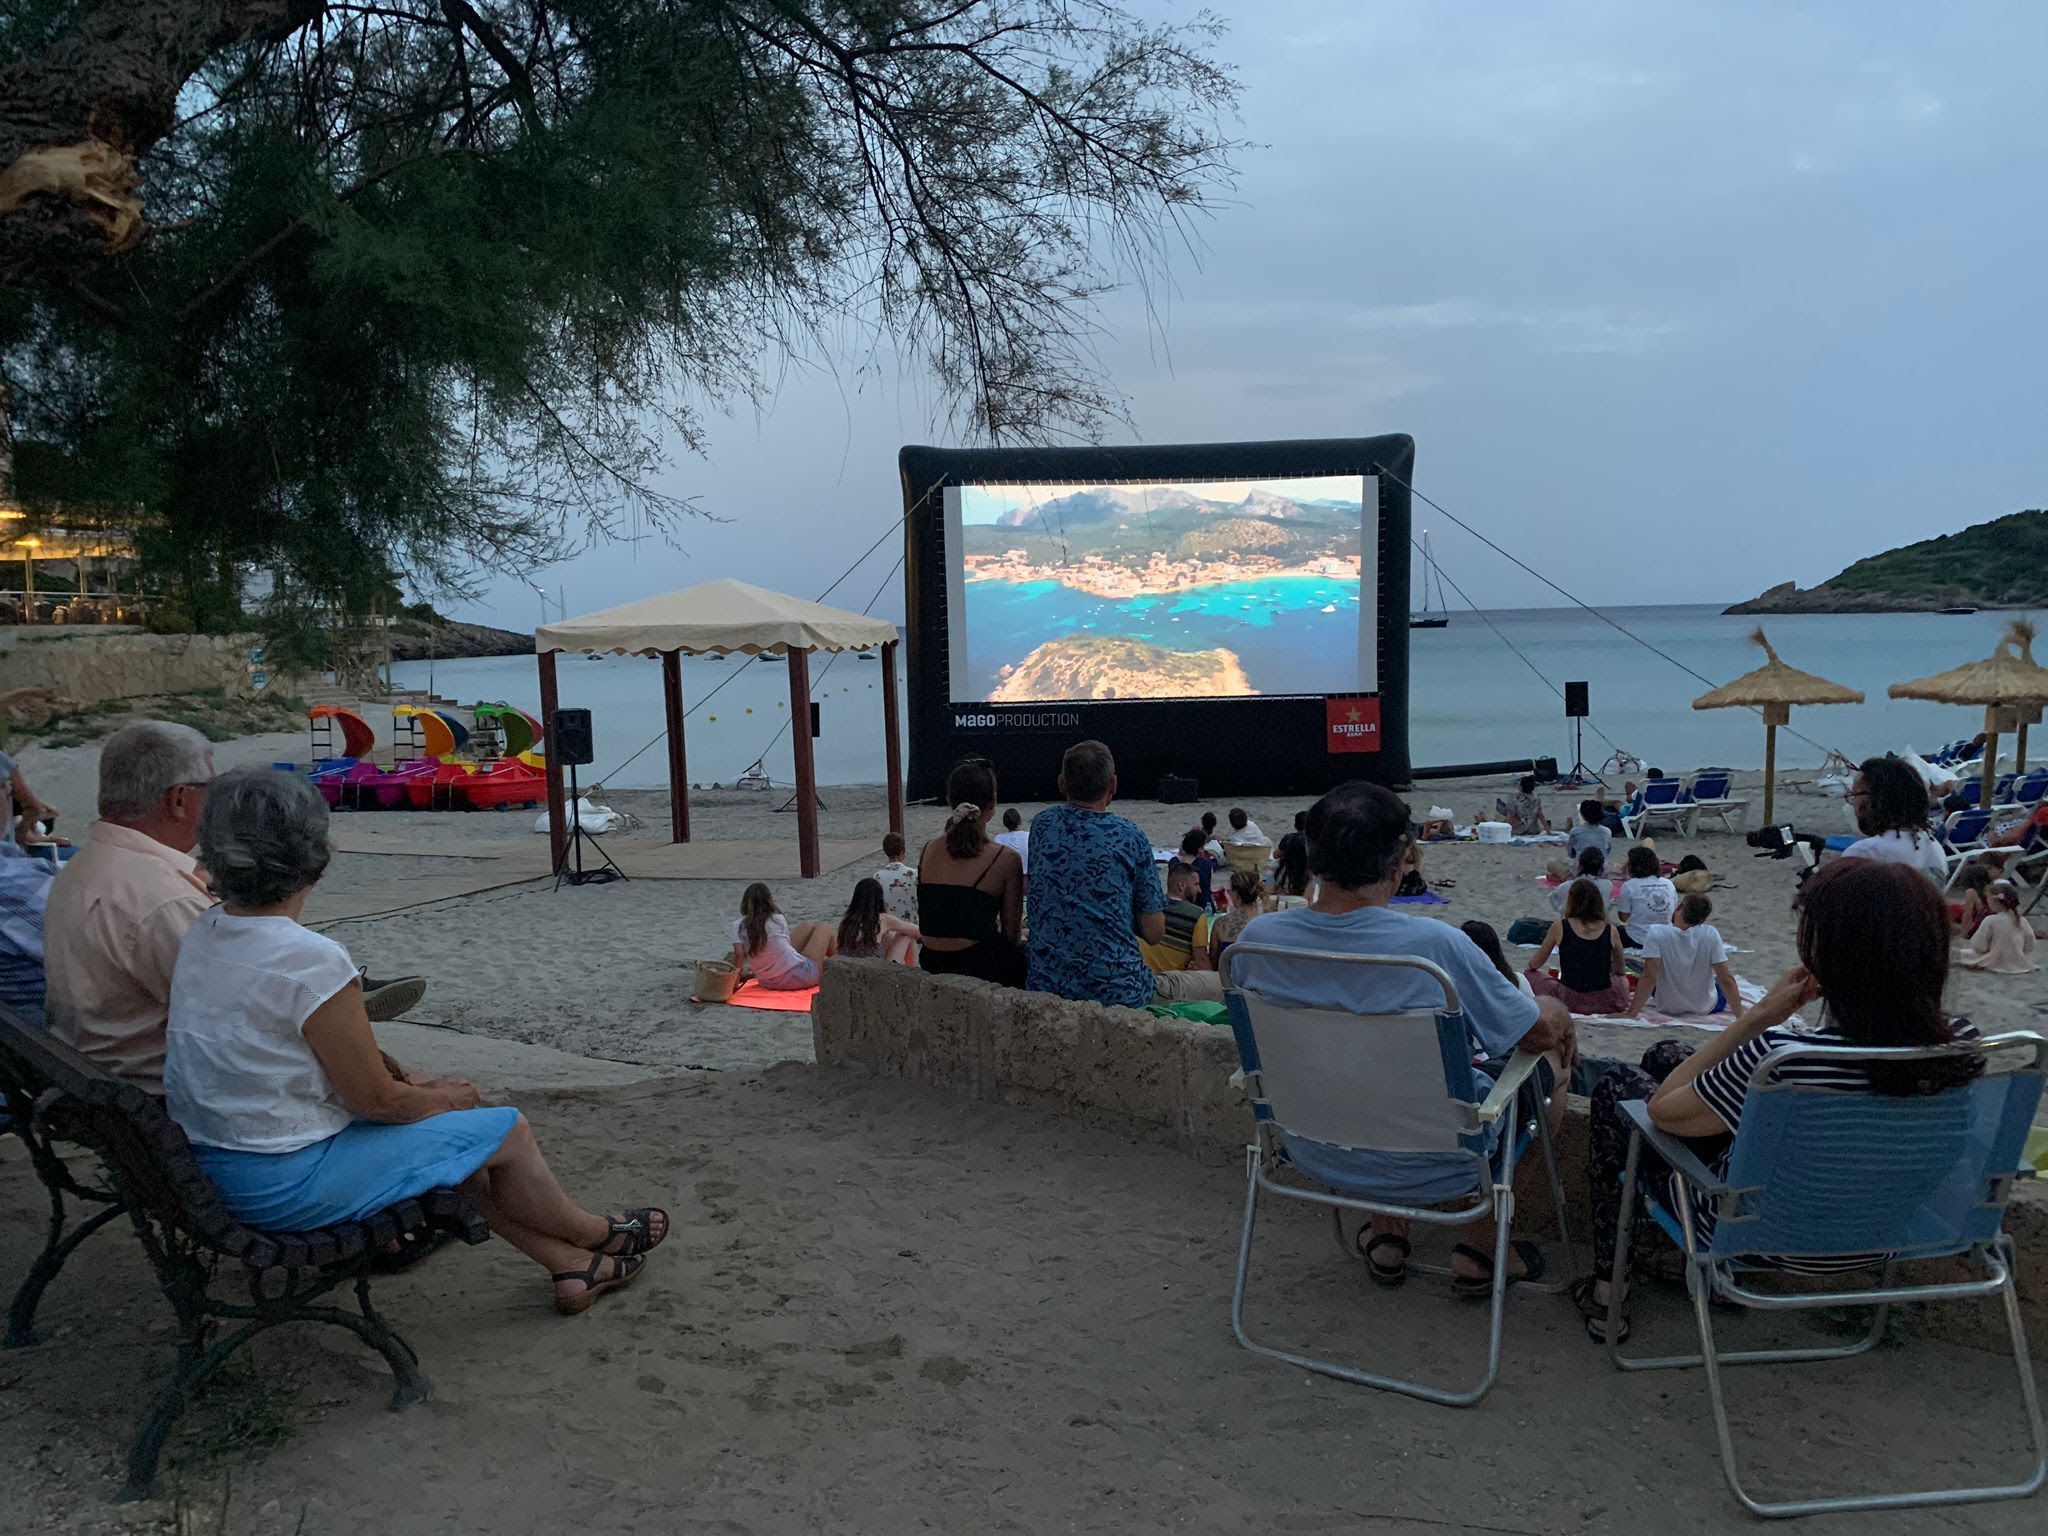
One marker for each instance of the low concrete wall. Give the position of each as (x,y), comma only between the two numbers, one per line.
(88,666)
(1167,1081)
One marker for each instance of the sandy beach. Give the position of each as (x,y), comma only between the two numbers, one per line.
(886,1309)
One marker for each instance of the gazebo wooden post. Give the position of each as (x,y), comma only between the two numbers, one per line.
(678,769)
(806,769)
(892,737)
(558,811)
(1993,719)
(1775,715)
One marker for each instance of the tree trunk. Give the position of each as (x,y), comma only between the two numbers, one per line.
(76,113)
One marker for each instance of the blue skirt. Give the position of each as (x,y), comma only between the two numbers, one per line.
(356,1172)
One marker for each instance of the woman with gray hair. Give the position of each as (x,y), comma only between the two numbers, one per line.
(274,1073)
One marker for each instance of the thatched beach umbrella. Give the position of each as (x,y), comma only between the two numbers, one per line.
(2009,684)
(1774,688)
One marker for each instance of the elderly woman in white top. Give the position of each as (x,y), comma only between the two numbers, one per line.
(272,1068)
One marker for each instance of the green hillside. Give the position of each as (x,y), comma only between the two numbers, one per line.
(1999,564)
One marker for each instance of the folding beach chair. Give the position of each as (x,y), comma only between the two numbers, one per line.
(1707,793)
(1832,1173)
(1335,1093)
(1659,803)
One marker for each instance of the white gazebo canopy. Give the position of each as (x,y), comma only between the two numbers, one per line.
(720,616)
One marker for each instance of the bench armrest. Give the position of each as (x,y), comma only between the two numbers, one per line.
(1676,1153)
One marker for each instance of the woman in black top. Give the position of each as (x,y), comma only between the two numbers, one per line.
(1591,976)
(970,889)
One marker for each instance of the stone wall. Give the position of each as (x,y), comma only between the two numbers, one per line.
(88,665)
(1167,1081)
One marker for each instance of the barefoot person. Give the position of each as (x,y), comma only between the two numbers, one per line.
(273,1071)
(782,959)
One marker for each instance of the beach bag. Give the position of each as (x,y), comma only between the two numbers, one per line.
(1527,930)
(716,981)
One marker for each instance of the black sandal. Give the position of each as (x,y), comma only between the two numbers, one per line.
(624,1268)
(1389,1275)
(1594,1314)
(637,1228)
(1482,1285)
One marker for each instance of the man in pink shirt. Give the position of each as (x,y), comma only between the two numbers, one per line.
(119,910)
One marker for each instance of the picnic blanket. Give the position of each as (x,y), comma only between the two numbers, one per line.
(1713,1023)
(751,994)
(1426,899)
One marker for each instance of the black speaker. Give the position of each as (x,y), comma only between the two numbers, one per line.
(569,740)
(1177,791)
(1576,704)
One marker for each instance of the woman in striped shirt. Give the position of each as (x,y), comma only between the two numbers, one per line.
(1874,954)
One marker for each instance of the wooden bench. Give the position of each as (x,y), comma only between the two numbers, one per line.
(56,1097)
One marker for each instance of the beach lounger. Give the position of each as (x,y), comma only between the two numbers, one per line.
(1659,803)
(1335,1095)
(1818,1173)
(1707,793)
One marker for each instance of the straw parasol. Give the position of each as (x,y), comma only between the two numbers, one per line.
(1774,688)
(2009,684)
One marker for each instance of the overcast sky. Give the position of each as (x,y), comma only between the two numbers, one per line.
(1677,301)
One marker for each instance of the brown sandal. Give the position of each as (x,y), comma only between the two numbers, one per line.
(624,1268)
(1594,1314)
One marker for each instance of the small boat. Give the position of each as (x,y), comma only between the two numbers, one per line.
(1329,608)
(1437,617)
(865,656)
(1960,611)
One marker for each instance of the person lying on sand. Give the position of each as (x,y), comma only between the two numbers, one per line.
(273,1071)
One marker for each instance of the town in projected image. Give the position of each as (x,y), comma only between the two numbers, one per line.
(1207,589)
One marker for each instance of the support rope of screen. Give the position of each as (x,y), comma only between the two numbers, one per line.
(1520,654)
(662,735)
(826,670)
(1573,598)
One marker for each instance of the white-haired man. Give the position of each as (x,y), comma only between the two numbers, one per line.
(119,910)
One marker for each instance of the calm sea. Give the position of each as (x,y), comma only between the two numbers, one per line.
(1472,698)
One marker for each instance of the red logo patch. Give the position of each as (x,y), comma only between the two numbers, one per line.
(1351,724)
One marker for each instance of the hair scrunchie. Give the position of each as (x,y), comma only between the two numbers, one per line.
(964,811)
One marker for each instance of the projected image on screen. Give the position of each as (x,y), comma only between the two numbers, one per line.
(1209,589)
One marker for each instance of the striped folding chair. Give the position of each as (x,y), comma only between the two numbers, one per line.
(1344,1102)
(1828,1173)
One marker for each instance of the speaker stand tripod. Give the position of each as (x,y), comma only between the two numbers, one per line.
(577,875)
(1580,774)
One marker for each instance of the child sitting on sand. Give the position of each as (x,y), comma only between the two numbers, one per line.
(1967,914)
(1488,940)
(1592,869)
(869,931)
(2004,941)
(1591,832)
(1646,897)
(781,960)
(1247,892)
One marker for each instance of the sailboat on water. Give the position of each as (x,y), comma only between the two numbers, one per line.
(1437,617)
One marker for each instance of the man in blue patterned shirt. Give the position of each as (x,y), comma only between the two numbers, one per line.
(1094,890)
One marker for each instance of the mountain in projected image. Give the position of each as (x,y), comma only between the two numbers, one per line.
(1208,590)
(1119,542)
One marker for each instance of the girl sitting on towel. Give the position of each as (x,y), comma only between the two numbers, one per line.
(1591,977)
(782,959)
(2004,941)
(869,931)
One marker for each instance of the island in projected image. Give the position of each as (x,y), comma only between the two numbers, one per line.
(1202,590)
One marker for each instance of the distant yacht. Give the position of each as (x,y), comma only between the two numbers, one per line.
(1329,607)
(1959,611)
(1437,617)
